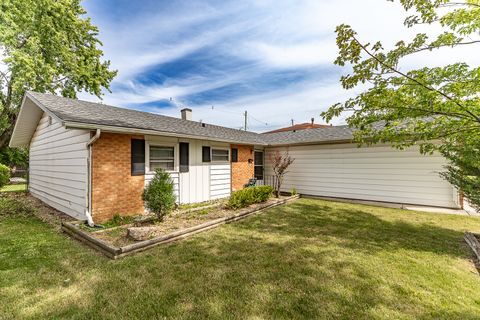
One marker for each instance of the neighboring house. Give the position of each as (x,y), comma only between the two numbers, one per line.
(301,126)
(93,159)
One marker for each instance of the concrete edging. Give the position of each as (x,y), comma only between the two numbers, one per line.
(114,252)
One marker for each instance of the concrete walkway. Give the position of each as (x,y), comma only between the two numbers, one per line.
(467,211)
(463,212)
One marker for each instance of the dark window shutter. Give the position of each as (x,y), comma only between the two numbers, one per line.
(206,154)
(234,155)
(138,157)
(183,156)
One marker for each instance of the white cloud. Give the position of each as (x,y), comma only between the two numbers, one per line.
(271,36)
(294,56)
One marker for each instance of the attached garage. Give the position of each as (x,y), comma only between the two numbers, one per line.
(376,173)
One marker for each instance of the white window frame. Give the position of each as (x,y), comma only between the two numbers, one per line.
(220,148)
(161,144)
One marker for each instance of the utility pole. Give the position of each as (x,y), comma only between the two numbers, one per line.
(292,122)
(245,114)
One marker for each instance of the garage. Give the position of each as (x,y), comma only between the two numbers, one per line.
(374,173)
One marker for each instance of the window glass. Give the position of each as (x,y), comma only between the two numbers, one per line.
(234,155)
(219,155)
(138,157)
(184,156)
(258,165)
(258,158)
(162,157)
(206,154)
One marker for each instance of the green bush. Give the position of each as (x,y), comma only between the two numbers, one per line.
(158,195)
(4,175)
(248,196)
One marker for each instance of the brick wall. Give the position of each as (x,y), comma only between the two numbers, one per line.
(114,189)
(242,171)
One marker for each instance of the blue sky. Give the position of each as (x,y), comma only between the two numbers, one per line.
(220,58)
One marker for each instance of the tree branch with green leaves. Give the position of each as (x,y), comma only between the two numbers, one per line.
(436,108)
(47,46)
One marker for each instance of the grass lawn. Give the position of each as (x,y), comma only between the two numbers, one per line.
(309,259)
(14,188)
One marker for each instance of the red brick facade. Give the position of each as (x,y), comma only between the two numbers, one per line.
(242,170)
(114,189)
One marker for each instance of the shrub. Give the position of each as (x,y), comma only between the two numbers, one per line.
(4,175)
(248,196)
(158,195)
(293,192)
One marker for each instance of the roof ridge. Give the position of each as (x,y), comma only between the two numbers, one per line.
(138,111)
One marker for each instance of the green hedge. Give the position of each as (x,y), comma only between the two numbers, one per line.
(4,175)
(248,196)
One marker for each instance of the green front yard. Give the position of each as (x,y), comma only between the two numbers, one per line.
(14,188)
(309,259)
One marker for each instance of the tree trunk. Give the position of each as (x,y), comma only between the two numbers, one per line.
(7,133)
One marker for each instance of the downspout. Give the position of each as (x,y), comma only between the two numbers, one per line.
(88,212)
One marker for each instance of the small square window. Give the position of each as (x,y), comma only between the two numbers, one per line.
(162,157)
(219,155)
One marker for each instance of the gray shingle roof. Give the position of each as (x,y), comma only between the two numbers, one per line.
(70,110)
(78,111)
(329,134)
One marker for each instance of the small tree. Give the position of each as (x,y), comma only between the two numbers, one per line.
(158,195)
(4,175)
(280,163)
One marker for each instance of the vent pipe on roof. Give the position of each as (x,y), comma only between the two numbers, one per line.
(186,114)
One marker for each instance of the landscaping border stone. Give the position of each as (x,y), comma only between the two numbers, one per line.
(113,252)
(472,240)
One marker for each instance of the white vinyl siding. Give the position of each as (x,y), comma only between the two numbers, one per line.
(220,180)
(377,173)
(58,166)
(204,180)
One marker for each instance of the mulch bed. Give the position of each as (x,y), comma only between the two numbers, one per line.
(177,221)
(114,242)
(39,209)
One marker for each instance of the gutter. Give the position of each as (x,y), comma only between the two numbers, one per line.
(89,178)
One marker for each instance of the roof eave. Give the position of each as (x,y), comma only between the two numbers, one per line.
(129,130)
(13,143)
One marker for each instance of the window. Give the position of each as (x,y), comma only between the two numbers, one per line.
(258,165)
(234,155)
(138,157)
(206,154)
(184,156)
(162,157)
(219,155)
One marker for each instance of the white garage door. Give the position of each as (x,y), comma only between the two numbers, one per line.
(378,173)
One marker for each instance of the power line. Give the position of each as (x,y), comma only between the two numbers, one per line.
(245,115)
(259,121)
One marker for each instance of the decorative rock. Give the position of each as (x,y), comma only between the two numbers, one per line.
(141,233)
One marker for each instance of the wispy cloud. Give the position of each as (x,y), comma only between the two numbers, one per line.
(271,58)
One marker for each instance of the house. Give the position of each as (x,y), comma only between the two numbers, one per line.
(300,126)
(93,160)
